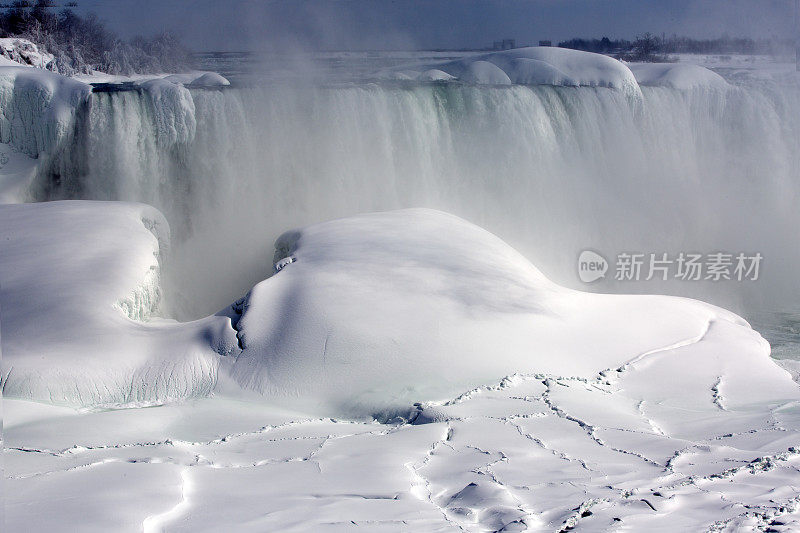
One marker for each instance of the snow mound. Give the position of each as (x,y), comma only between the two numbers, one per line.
(434,74)
(73,277)
(544,66)
(210,79)
(680,76)
(379,311)
(38,108)
(364,317)
(24,52)
(484,73)
(198,79)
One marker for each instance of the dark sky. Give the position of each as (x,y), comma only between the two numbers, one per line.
(410,24)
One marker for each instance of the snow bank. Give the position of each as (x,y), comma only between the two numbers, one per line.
(73,277)
(17,172)
(484,73)
(210,79)
(378,311)
(543,66)
(38,108)
(198,79)
(680,76)
(24,52)
(364,317)
(434,74)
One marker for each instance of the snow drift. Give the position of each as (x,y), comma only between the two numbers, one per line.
(537,66)
(364,317)
(680,76)
(372,313)
(76,280)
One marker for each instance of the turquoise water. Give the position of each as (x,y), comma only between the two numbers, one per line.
(782,330)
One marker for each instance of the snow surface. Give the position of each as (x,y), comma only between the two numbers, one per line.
(17,172)
(681,76)
(198,79)
(538,408)
(536,66)
(76,280)
(517,404)
(372,303)
(434,74)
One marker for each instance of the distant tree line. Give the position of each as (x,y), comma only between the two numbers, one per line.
(649,47)
(83,43)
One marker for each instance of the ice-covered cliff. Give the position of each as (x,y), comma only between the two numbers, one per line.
(38,109)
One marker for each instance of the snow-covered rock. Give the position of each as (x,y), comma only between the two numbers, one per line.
(24,52)
(76,281)
(365,316)
(682,76)
(378,311)
(38,108)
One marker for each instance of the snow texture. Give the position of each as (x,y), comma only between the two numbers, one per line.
(76,280)
(24,52)
(682,76)
(508,403)
(364,317)
(538,66)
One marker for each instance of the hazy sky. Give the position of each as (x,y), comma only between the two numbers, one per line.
(404,24)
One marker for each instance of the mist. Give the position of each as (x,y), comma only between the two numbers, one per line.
(551,170)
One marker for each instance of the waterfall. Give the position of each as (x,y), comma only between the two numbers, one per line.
(552,170)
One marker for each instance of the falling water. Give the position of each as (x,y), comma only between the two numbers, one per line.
(551,170)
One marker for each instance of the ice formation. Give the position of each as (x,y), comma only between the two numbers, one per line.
(38,108)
